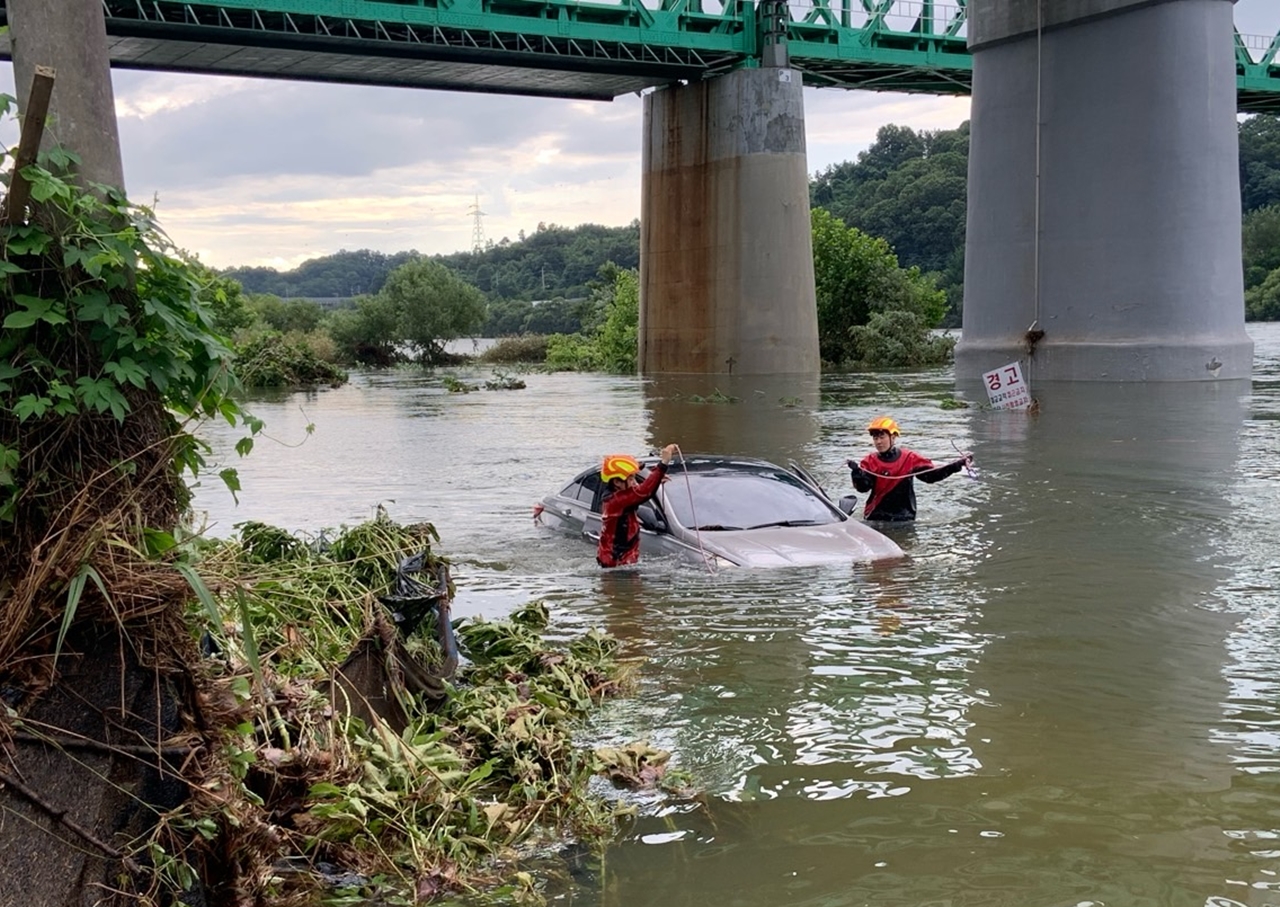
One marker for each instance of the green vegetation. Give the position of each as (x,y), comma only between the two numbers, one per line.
(611,345)
(1260,193)
(432,306)
(511,350)
(421,306)
(715,398)
(908,188)
(551,263)
(1261,243)
(272,359)
(342,275)
(455,385)
(871,312)
(109,335)
(484,769)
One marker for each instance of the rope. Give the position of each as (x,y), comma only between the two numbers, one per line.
(916,474)
(693,515)
(968,470)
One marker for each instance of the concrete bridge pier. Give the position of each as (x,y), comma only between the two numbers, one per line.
(726,260)
(1104,197)
(71,37)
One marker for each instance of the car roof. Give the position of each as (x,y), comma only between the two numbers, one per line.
(714,461)
(703,462)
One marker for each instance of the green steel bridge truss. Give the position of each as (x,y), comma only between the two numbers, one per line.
(572,49)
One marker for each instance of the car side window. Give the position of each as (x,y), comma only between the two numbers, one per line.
(582,488)
(592,491)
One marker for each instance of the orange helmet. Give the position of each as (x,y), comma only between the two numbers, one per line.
(884,423)
(619,466)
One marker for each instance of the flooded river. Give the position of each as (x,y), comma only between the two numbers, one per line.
(1068,694)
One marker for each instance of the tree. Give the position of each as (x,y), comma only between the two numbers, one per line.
(1262,303)
(857,275)
(911,189)
(919,209)
(225,299)
(432,306)
(507,317)
(617,337)
(1261,244)
(898,339)
(1259,162)
(609,342)
(558,316)
(368,333)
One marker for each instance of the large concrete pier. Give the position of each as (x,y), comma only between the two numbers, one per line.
(71,37)
(726,260)
(1104,197)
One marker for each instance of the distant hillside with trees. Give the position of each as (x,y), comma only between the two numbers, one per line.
(552,261)
(908,188)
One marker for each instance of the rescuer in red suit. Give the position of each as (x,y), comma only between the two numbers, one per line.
(889,474)
(620,527)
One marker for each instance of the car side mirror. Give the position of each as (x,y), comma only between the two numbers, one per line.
(650,518)
(848,503)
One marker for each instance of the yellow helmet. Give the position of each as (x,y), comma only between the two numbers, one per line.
(619,466)
(884,423)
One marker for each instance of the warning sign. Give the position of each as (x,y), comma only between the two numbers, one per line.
(1006,388)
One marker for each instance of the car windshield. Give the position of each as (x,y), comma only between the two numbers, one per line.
(726,499)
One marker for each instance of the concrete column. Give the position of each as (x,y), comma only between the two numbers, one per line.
(726,256)
(1104,196)
(70,36)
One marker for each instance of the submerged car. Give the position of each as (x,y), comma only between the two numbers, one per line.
(729,511)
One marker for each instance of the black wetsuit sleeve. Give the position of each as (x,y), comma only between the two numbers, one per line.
(862,481)
(938,473)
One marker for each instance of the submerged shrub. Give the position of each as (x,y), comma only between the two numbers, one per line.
(572,353)
(273,360)
(898,339)
(526,348)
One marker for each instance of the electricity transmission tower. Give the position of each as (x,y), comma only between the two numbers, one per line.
(477,227)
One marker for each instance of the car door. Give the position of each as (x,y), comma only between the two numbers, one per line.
(570,508)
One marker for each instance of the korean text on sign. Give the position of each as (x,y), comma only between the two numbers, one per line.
(1006,388)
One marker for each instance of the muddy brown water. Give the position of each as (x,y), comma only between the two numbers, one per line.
(1068,694)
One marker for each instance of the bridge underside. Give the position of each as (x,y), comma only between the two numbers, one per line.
(358,62)
(177,37)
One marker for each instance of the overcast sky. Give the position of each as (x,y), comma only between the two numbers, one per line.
(263,172)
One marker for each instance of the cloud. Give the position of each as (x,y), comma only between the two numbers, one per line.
(251,171)
(257,171)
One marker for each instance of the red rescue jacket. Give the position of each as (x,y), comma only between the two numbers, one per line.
(893,493)
(619,525)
